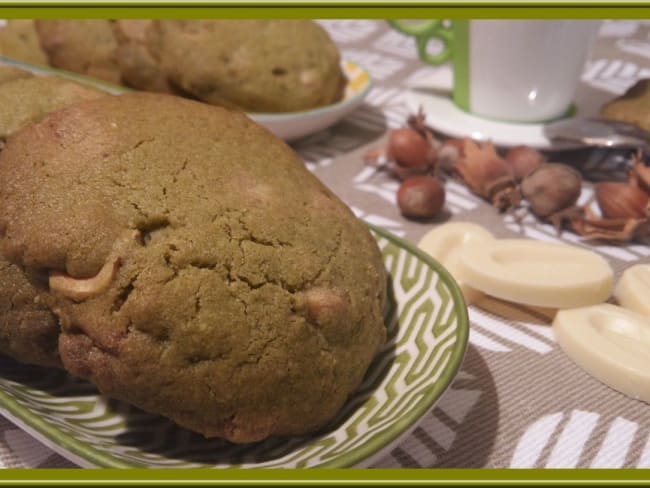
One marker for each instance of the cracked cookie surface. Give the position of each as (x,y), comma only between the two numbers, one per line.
(243,299)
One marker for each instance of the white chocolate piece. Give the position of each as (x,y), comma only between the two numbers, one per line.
(79,289)
(440,241)
(633,289)
(609,342)
(443,243)
(537,273)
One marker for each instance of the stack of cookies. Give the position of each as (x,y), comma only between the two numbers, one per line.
(251,65)
(181,258)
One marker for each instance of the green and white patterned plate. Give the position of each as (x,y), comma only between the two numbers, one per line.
(427,328)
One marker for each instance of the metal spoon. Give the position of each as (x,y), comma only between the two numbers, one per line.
(597,133)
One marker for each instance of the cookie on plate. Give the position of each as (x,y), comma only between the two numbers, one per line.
(86,46)
(19,40)
(633,106)
(27,100)
(198,269)
(29,331)
(138,68)
(253,65)
(10,73)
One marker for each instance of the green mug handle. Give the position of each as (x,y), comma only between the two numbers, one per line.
(423,33)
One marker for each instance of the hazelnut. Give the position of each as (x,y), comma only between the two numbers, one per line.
(421,197)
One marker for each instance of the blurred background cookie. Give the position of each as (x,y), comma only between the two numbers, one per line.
(138,68)
(86,46)
(253,65)
(19,40)
(633,106)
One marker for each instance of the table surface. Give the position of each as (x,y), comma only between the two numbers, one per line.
(517,401)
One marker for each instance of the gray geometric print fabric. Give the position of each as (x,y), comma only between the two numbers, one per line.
(518,401)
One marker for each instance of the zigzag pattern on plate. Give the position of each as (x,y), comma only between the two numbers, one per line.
(424,349)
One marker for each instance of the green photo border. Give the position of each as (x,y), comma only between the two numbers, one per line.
(323,477)
(373,9)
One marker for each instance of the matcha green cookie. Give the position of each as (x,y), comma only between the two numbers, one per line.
(254,65)
(138,67)
(198,269)
(633,106)
(29,331)
(19,40)
(11,73)
(86,46)
(28,100)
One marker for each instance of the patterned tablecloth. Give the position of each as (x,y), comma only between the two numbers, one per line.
(518,401)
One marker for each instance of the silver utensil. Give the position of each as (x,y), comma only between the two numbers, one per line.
(597,132)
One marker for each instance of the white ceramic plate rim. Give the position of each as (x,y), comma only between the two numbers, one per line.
(445,117)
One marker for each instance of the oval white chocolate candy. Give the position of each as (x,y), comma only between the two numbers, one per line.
(609,342)
(537,273)
(444,243)
(633,289)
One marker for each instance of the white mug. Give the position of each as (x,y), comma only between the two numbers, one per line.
(510,70)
